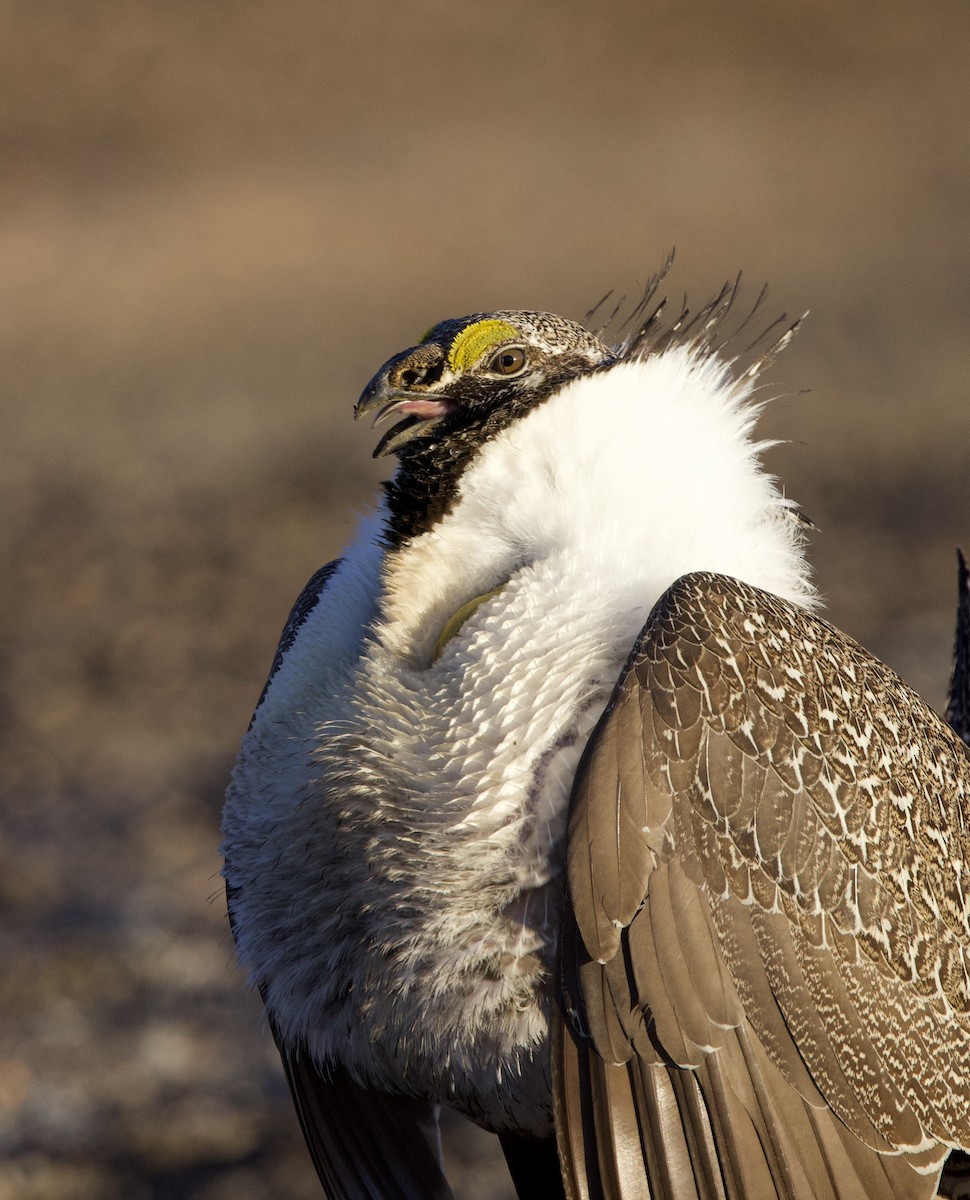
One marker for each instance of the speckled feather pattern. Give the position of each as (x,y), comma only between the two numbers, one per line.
(770,835)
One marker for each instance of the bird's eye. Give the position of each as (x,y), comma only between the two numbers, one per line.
(508,361)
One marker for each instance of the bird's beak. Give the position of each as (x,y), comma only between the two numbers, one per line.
(385,396)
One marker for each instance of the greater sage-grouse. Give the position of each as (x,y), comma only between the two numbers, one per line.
(563,810)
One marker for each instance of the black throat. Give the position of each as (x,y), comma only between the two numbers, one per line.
(427,482)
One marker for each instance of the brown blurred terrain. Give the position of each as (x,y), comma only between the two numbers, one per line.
(216,221)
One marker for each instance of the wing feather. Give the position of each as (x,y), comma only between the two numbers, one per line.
(767,851)
(709,975)
(612,849)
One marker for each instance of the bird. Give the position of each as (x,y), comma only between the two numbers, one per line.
(564,809)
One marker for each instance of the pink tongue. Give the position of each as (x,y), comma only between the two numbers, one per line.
(427,410)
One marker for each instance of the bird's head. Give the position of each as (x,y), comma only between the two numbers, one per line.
(470,376)
(466,380)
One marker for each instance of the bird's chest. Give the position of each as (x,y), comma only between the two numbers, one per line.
(447,791)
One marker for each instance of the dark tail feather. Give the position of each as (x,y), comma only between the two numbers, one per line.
(534,1166)
(958,705)
(366,1144)
(956,1173)
(955,1183)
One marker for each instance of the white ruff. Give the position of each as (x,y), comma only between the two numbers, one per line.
(395,826)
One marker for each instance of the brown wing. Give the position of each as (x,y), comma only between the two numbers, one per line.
(766,948)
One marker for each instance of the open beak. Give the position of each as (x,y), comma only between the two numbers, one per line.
(385,397)
(420,414)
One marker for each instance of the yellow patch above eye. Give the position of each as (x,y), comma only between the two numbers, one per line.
(473,341)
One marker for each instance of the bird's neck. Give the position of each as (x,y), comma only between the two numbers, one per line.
(636,475)
(434,471)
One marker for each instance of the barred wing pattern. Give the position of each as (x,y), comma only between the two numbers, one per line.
(766,950)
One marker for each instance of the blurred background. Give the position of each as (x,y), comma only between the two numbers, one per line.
(217,219)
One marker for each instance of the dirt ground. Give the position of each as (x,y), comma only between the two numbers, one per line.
(216,221)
